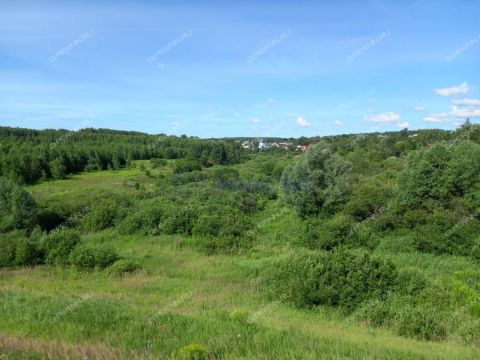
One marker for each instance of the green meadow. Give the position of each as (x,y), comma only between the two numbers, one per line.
(183,259)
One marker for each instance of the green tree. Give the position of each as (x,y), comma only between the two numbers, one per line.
(17,207)
(317,181)
(58,168)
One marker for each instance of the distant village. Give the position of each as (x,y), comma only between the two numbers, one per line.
(262,145)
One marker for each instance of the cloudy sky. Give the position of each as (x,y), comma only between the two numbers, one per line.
(239,68)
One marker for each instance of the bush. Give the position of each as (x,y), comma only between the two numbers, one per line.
(329,234)
(186,165)
(58,246)
(101,217)
(7,251)
(83,258)
(470,332)
(123,266)
(193,352)
(344,278)
(156,162)
(87,258)
(423,323)
(27,252)
(188,177)
(411,282)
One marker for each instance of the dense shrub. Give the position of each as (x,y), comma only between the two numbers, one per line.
(19,249)
(85,257)
(343,278)
(328,234)
(58,246)
(7,250)
(225,174)
(28,252)
(156,162)
(123,266)
(366,200)
(146,219)
(102,216)
(447,233)
(188,177)
(421,322)
(186,165)
(411,282)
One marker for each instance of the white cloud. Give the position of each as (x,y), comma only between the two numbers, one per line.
(338,122)
(403,125)
(387,117)
(256,120)
(454,90)
(466,102)
(177,125)
(418,109)
(465,112)
(270,100)
(303,122)
(436,118)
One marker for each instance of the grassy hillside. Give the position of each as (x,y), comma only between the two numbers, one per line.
(162,260)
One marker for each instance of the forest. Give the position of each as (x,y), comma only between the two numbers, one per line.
(152,246)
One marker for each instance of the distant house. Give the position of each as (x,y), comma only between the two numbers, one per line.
(303,148)
(249,145)
(285,145)
(273,145)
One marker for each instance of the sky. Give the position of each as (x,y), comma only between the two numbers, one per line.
(240,68)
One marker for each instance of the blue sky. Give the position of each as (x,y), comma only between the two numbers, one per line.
(239,68)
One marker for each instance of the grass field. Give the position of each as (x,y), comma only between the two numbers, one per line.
(181,297)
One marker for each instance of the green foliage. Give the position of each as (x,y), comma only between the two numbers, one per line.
(186,165)
(17,207)
(439,173)
(8,249)
(156,162)
(101,217)
(411,282)
(342,278)
(58,246)
(329,234)
(123,266)
(58,168)
(317,181)
(420,322)
(85,257)
(193,352)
